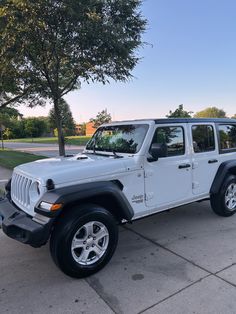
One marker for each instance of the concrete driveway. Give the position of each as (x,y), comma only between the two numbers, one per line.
(5,175)
(178,262)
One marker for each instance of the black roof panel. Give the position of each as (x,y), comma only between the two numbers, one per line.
(194,120)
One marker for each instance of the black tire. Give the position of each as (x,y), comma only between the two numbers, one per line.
(218,201)
(76,221)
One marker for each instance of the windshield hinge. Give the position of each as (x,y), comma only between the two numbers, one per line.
(149,196)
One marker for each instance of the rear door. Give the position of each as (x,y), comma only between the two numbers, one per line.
(205,156)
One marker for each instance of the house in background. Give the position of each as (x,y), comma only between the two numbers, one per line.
(90,129)
(86,129)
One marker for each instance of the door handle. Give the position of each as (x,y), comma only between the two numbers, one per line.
(212,161)
(183,166)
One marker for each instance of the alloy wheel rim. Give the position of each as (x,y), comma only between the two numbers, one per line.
(230,197)
(90,243)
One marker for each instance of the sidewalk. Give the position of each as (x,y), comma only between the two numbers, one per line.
(5,175)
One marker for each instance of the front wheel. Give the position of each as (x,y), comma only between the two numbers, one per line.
(84,241)
(224,203)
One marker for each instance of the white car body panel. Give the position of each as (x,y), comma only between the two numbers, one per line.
(149,187)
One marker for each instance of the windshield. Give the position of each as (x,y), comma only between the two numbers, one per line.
(118,138)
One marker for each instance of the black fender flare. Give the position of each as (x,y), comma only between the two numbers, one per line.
(225,169)
(77,193)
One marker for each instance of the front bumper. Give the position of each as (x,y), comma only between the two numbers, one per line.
(19,226)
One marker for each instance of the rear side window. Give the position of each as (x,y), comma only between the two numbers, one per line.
(172,138)
(203,138)
(227,134)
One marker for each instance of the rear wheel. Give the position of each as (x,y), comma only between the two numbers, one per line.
(84,241)
(224,203)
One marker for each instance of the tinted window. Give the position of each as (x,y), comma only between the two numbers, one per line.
(172,138)
(227,136)
(118,138)
(203,138)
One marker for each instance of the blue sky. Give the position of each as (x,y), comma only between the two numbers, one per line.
(190,60)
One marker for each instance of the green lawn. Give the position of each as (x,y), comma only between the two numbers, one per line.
(72,140)
(10,159)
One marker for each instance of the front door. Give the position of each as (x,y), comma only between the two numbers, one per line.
(169,179)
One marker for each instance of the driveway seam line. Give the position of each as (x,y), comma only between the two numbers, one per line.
(175,293)
(215,274)
(226,281)
(170,251)
(100,296)
(225,268)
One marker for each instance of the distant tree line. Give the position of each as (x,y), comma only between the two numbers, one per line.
(101,118)
(210,112)
(24,127)
(15,126)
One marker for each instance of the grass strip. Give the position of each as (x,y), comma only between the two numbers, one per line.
(10,158)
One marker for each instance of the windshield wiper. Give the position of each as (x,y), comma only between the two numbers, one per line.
(99,154)
(115,154)
(105,155)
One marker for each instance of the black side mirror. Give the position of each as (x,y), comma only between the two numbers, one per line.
(157,151)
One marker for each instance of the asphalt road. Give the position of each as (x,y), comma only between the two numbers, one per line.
(49,150)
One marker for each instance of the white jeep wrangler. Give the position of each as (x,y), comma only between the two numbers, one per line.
(127,171)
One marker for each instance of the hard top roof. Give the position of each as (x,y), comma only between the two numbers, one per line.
(195,120)
(180,120)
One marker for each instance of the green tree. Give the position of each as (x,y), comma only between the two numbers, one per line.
(67,121)
(7,134)
(16,85)
(11,112)
(211,112)
(234,116)
(9,116)
(17,129)
(5,121)
(101,118)
(34,127)
(83,129)
(54,45)
(179,113)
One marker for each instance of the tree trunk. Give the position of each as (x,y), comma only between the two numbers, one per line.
(61,140)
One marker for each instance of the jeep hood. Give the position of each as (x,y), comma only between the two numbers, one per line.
(73,169)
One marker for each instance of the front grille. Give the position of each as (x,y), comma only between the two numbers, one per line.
(20,186)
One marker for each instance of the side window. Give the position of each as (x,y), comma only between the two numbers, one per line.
(172,138)
(203,138)
(227,135)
